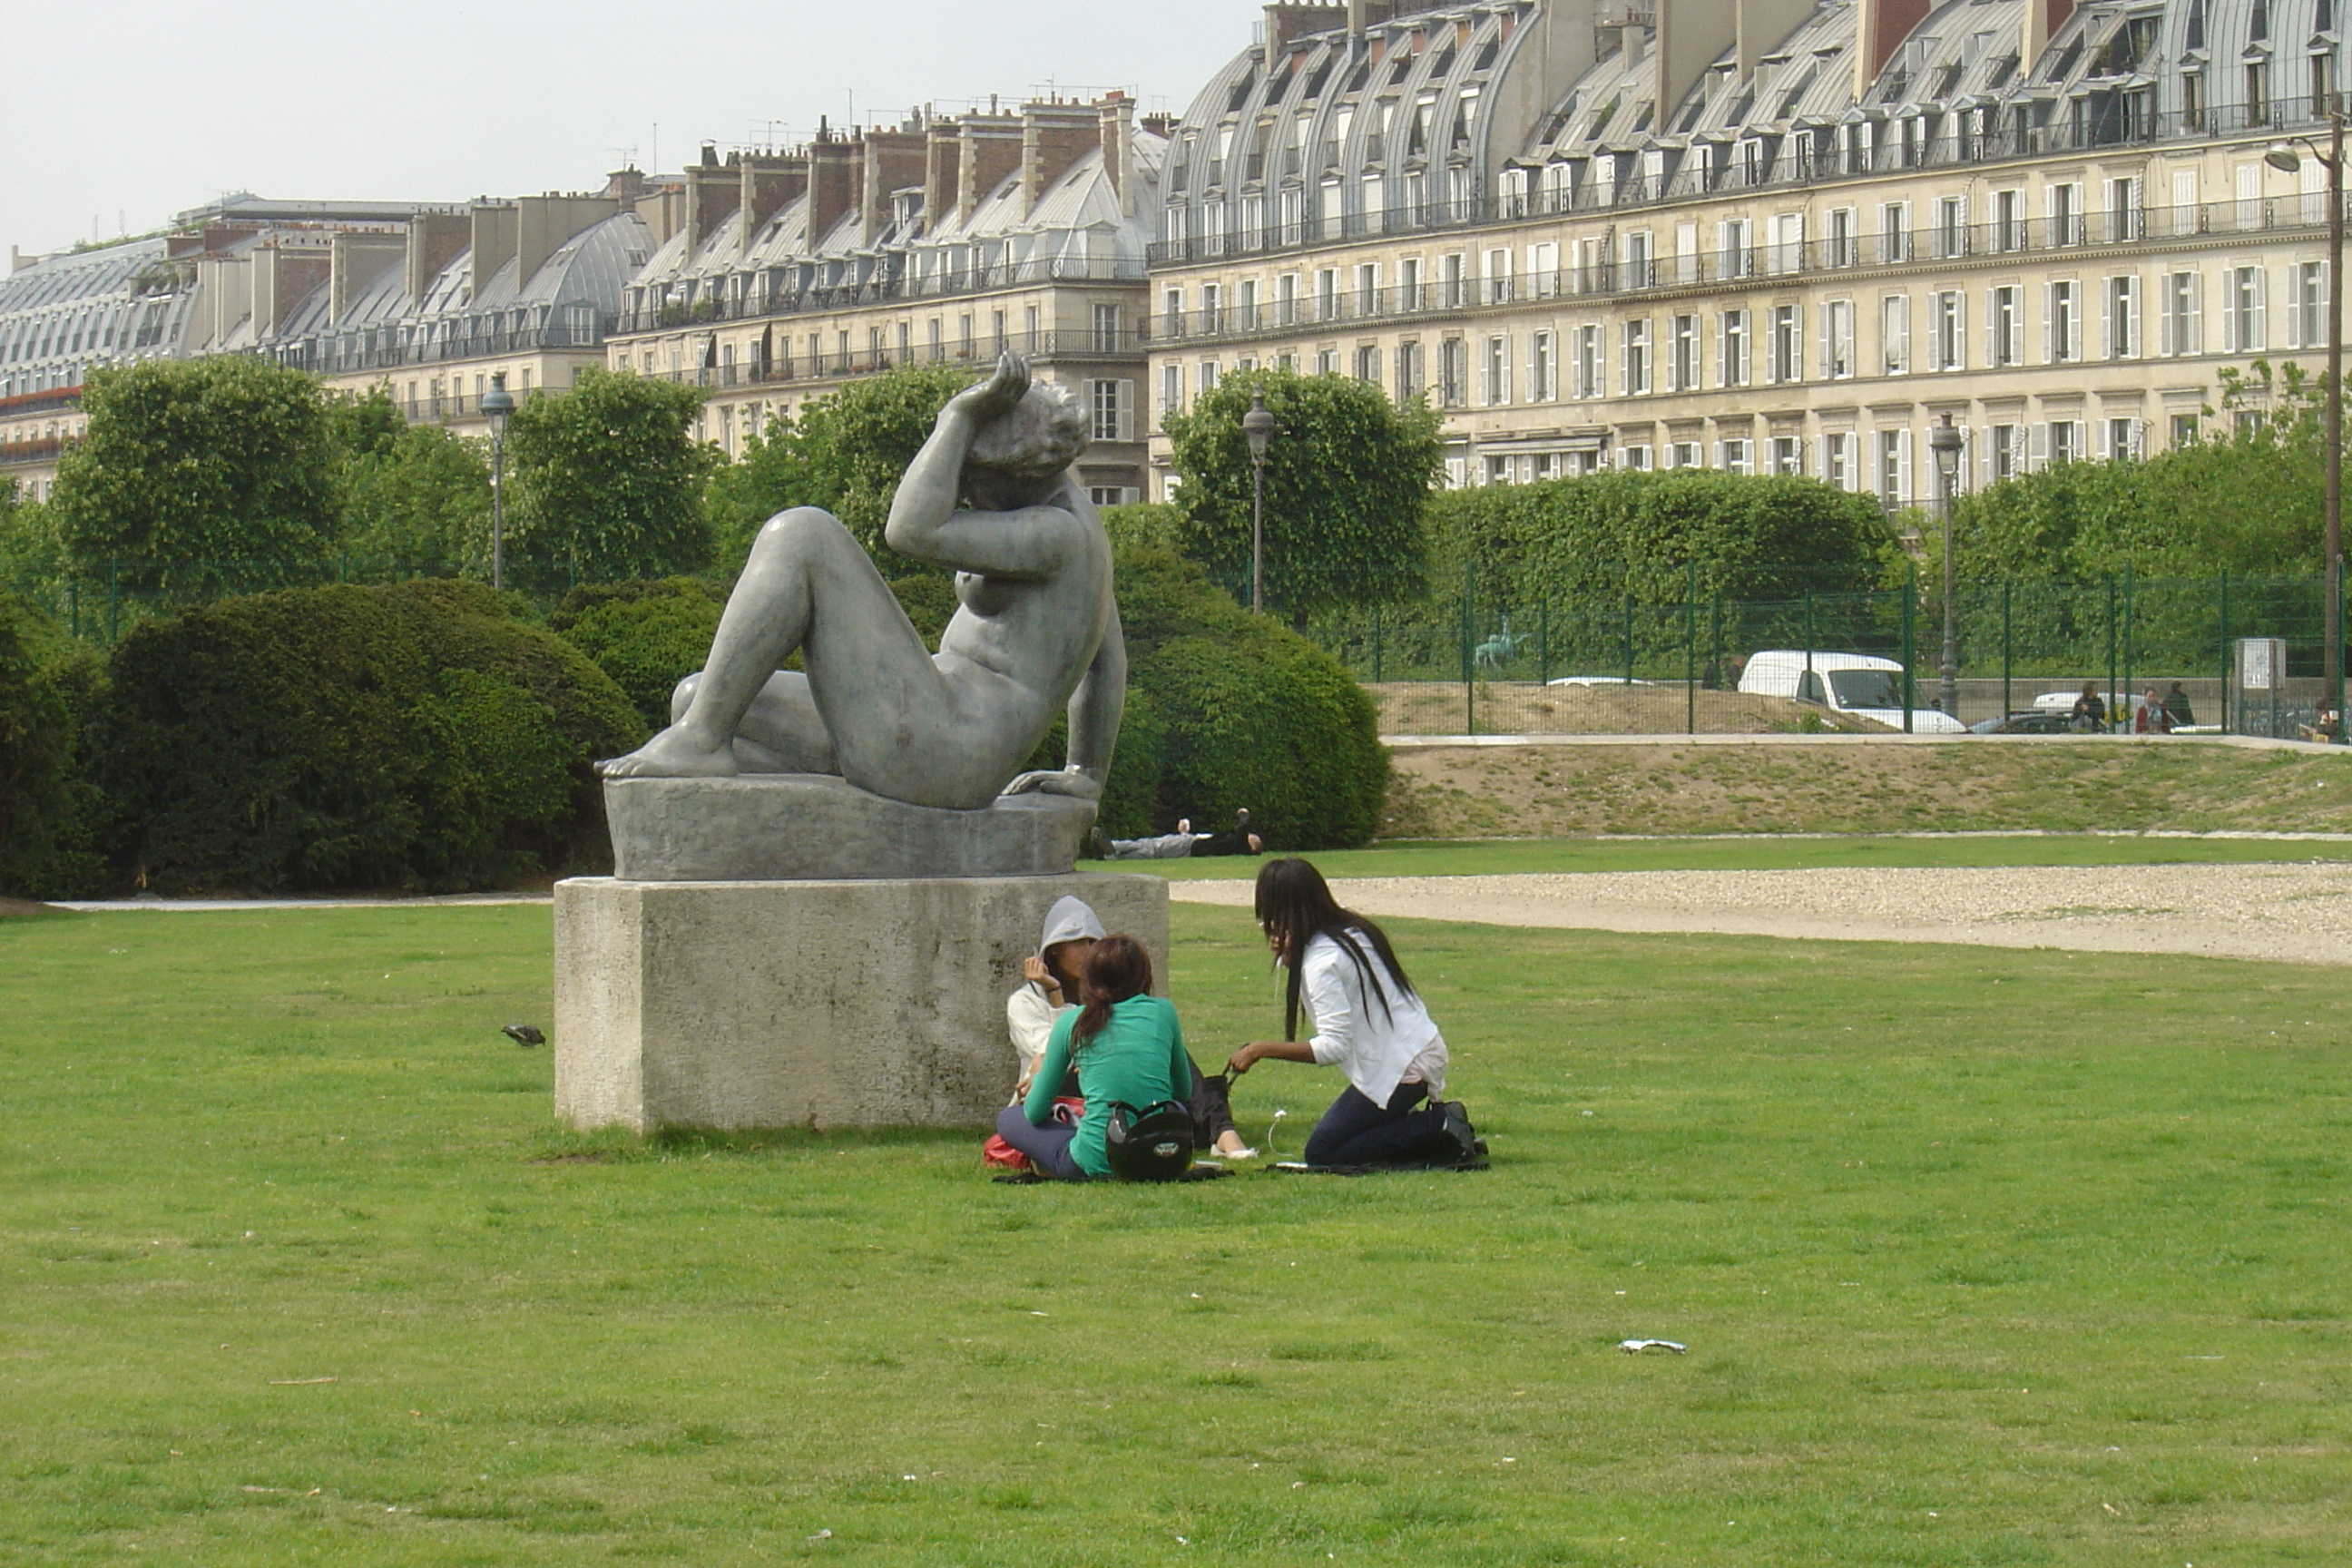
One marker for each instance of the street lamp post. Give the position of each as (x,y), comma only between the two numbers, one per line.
(1943,441)
(2282,156)
(496,403)
(1258,425)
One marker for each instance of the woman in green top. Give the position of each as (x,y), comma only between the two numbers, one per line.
(1129,1049)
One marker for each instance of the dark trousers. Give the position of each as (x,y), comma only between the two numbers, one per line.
(1213,1113)
(1048,1147)
(1355,1131)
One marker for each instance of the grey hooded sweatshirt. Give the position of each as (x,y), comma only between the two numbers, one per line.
(1028,1015)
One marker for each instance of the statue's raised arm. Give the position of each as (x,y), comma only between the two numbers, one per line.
(990,497)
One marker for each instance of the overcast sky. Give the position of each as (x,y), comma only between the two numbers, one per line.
(120,114)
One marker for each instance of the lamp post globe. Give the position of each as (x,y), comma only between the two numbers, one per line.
(496,403)
(1258,425)
(1943,442)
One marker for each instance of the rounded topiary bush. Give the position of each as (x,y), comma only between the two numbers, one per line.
(647,637)
(408,734)
(1229,709)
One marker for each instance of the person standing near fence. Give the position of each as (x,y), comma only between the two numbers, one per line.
(2150,717)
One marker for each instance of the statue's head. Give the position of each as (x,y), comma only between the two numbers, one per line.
(1042,436)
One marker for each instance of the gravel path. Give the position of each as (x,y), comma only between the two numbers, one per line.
(2299,913)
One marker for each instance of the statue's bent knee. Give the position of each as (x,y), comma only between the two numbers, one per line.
(801,523)
(681,696)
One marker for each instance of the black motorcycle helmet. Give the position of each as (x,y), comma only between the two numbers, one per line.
(1153,1144)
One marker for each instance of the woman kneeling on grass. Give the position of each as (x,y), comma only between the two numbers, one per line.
(1368,1023)
(1129,1049)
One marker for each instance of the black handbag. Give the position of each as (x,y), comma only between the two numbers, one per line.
(1153,1144)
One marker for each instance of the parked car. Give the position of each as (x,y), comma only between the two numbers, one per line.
(1860,684)
(2024,721)
(1597,680)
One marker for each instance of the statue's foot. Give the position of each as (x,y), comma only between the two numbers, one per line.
(672,754)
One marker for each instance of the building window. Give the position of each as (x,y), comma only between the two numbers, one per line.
(1787,455)
(1497,388)
(1368,289)
(1788,351)
(1685,368)
(1951,226)
(2247,333)
(1837,459)
(1454,275)
(2065,215)
(1684,455)
(1208,381)
(1285,299)
(2123,318)
(1212,309)
(2002,327)
(1893,467)
(1326,293)
(1498,277)
(1588,362)
(1733,233)
(2309,318)
(1839,251)
(2123,439)
(2184,429)
(1947,330)
(2184,298)
(1731,349)
(1327,362)
(1453,373)
(1368,364)
(1637,358)
(1410,377)
(1895,232)
(1109,411)
(1895,333)
(2064,320)
(1635,459)
(2003,455)
(2065,441)
(1540,372)
(1172,389)
(2258,92)
(1735,459)
(2124,219)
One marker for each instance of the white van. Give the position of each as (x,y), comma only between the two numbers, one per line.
(1861,684)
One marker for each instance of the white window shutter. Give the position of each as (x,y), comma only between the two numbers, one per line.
(2132,317)
(1827,368)
(2164,315)
(2103,452)
(1992,326)
(2074,322)
(2262,308)
(1961,327)
(2107,321)
(2040,455)
(2196,344)
(1127,411)
(2050,343)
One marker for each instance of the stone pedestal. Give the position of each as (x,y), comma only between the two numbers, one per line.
(781,826)
(848,1002)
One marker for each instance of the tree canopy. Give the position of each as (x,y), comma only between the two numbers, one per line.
(846,454)
(197,473)
(607,478)
(1347,480)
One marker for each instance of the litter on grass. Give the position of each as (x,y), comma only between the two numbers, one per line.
(1636,1347)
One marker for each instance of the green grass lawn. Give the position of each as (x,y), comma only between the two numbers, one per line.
(1502,856)
(1977,1263)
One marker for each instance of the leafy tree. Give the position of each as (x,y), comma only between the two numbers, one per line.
(846,454)
(2246,499)
(647,636)
(1348,482)
(198,473)
(418,502)
(607,478)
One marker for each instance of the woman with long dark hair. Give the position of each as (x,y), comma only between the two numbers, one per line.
(1128,1047)
(1367,1022)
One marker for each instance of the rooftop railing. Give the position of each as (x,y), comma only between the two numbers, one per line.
(749,296)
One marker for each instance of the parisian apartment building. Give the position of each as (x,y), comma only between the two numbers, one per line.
(1761,236)
(946,239)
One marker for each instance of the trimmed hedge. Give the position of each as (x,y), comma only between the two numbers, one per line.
(413,734)
(647,635)
(1226,709)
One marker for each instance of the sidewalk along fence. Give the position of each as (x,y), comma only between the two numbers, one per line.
(1473,659)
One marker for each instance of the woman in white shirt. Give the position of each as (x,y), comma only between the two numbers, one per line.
(1368,1023)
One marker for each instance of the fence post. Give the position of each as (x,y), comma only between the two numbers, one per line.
(2225,650)
(1715,642)
(2005,647)
(2111,654)
(1469,671)
(1376,648)
(1690,650)
(1629,644)
(1910,614)
(2130,684)
(2336,675)
(1543,643)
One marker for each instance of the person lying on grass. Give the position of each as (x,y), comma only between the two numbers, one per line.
(1367,1022)
(1128,1048)
(1050,984)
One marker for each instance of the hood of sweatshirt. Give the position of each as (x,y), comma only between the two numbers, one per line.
(1070,919)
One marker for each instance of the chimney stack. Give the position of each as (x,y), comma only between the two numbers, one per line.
(435,240)
(1883,25)
(991,148)
(1287,19)
(940,150)
(493,241)
(712,195)
(769,183)
(1054,136)
(834,170)
(356,260)
(1117,112)
(894,160)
